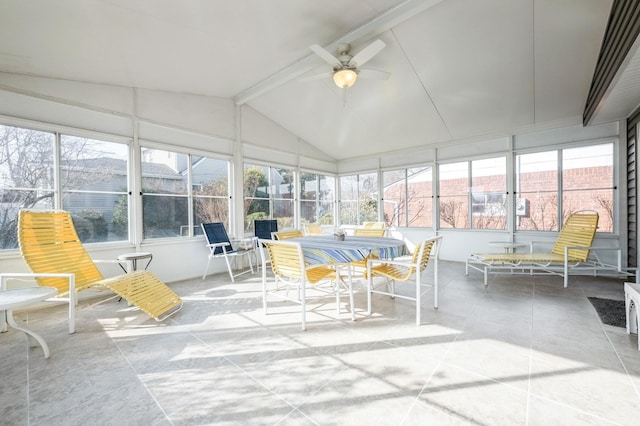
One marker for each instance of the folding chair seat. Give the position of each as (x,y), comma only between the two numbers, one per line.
(397,271)
(220,246)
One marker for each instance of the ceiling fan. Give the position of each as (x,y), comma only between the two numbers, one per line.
(346,67)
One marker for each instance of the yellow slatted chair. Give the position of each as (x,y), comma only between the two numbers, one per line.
(373,225)
(396,271)
(313,229)
(369,232)
(53,252)
(361,265)
(572,249)
(284,235)
(289,267)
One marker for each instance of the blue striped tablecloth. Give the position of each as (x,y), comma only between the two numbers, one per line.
(326,249)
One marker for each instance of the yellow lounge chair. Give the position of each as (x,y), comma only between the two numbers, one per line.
(51,248)
(571,251)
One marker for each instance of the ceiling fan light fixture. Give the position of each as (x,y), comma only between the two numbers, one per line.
(345,78)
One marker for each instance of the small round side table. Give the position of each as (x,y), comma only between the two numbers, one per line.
(131,259)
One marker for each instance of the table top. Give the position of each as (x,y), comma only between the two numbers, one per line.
(134,256)
(22,297)
(321,249)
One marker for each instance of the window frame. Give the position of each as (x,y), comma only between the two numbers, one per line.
(558,149)
(193,229)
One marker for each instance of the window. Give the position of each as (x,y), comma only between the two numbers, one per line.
(173,182)
(537,191)
(268,194)
(317,198)
(587,182)
(489,193)
(358,199)
(165,197)
(475,189)
(407,197)
(453,184)
(27,177)
(551,185)
(210,185)
(94,182)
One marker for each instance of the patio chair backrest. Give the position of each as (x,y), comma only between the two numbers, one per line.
(264,228)
(49,244)
(373,225)
(578,230)
(284,235)
(368,232)
(287,259)
(215,233)
(313,229)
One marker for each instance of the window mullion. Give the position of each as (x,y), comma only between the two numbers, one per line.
(57,178)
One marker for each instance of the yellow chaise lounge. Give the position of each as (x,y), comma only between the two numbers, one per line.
(572,251)
(51,248)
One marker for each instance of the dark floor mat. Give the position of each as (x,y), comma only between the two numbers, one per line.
(610,311)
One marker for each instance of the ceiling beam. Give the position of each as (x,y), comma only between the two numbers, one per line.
(379,24)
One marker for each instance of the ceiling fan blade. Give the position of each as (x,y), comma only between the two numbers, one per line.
(328,57)
(373,74)
(367,53)
(316,77)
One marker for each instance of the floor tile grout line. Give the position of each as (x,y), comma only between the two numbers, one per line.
(533,310)
(441,362)
(137,374)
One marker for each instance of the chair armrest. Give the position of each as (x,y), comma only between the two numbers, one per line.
(539,242)
(4,276)
(215,245)
(597,248)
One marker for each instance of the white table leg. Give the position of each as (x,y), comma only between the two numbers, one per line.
(31,333)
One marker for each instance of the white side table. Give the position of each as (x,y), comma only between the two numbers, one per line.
(508,246)
(632,308)
(22,298)
(131,259)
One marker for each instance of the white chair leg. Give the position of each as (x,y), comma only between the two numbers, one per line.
(303,306)
(351,301)
(435,284)
(229,268)
(206,268)
(418,298)
(369,284)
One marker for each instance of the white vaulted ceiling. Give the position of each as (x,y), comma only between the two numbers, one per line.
(460,69)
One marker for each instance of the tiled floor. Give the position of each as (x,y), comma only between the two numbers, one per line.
(523,351)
